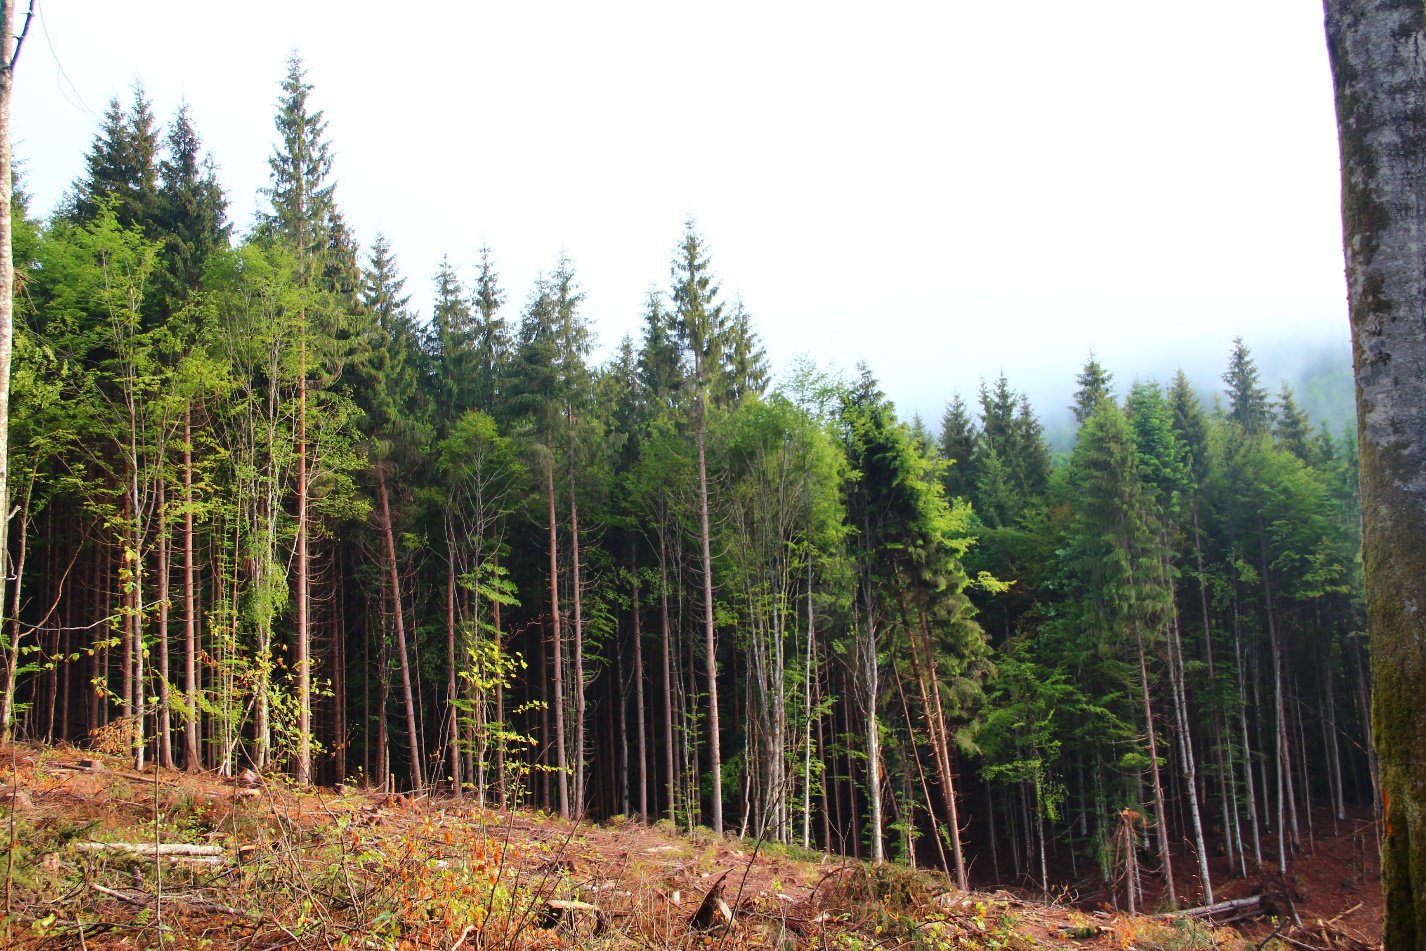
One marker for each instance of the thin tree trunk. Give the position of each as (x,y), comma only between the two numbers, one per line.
(941,739)
(192,757)
(1161,819)
(1247,747)
(1280,733)
(408,696)
(670,760)
(8,57)
(339,671)
(579,685)
(807,715)
(639,691)
(870,671)
(561,760)
(136,595)
(1218,727)
(715,755)
(302,773)
(497,631)
(452,695)
(12,653)
(165,721)
(1185,739)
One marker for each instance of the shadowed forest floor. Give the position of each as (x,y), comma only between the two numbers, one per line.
(266,866)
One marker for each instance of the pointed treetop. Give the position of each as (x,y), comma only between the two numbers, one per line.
(301,164)
(1095,384)
(1247,401)
(1293,429)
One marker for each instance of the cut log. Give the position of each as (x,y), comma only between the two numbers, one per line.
(148,848)
(1217,908)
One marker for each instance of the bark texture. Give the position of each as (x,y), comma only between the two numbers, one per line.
(1378,52)
(7,283)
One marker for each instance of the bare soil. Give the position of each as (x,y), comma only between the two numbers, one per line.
(352,868)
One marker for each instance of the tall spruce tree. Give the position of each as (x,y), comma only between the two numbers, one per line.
(698,319)
(121,168)
(1095,384)
(302,216)
(1248,404)
(958,448)
(192,211)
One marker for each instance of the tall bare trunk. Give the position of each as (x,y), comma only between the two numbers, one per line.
(192,758)
(807,715)
(561,760)
(666,640)
(867,648)
(136,595)
(165,721)
(8,57)
(715,754)
(303,659)
(639,691)
(12,653)
(398,612)
(940,738)
(1161,818)
(579,703)
(451,692)
(1185,745)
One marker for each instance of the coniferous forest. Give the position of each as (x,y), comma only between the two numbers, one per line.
(268,516)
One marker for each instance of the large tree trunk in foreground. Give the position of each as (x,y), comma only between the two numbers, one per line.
(7,270)
(1378,51)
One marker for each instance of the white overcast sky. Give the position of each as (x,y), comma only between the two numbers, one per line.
(943,190)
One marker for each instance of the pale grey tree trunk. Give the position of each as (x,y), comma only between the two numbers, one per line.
(1161,817)
(1378,52)
(8,55)
(715,754)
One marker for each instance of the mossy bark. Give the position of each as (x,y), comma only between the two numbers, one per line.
(1378,51)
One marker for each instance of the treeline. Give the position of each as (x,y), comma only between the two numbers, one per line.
(267,516)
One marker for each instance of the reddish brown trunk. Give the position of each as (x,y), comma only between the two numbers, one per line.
(408,697)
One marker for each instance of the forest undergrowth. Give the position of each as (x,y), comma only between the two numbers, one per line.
(97,855)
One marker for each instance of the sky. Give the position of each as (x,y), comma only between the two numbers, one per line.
(943,190)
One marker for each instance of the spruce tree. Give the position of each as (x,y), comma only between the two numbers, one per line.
(121,168)
(303,216)
(698,318)
(958,448)
(492,340)
(192,211)
(1248,404)
(1292,429)
(1095,384)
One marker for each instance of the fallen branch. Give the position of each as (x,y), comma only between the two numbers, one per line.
(138,900)
(191,901)
(1334,920)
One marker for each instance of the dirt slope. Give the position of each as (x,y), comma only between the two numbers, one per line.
(265,866)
